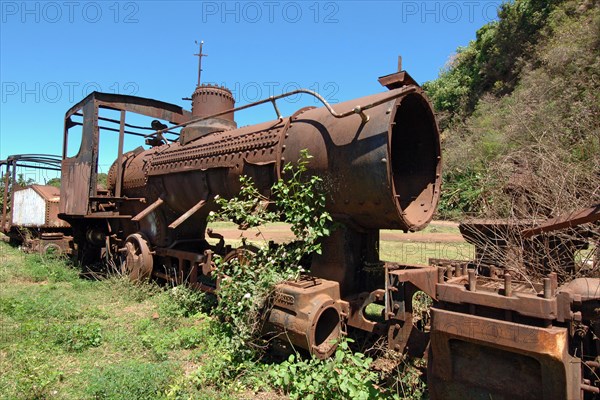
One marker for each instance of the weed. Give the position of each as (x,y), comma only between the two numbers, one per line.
(345,376)
(50,317)
(408,383)
(248,278)
(182,301)
(35,379)
(79,337)
(131,380)
(54,270)
(135,291)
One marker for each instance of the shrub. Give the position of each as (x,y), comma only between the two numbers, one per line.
(248,280)
(345,376)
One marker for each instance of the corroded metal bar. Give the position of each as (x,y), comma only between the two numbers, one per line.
(472,281)
(148,210)
(119,183)
(547,288)
(507,285)
(5,197)
(187,214)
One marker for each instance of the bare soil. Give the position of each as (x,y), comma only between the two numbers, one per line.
(448,233)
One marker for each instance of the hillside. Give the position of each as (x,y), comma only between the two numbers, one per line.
(520,112)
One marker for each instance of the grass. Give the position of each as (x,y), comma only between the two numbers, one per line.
(66,337)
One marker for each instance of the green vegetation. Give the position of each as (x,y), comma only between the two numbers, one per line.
(315,379)
(519,108)
(492,62)
(66,337)
(420,252)
(54,182)
(247,281)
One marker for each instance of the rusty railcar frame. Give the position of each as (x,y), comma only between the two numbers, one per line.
(541,336)
(54,235)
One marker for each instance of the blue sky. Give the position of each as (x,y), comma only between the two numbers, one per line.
(54,53)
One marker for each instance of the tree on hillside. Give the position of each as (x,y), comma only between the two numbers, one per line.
(530,145)
(493,62)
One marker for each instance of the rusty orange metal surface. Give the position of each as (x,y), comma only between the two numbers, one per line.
(481,358)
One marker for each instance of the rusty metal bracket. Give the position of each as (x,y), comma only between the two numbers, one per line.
(208,266)
(401,283)
(276,108)
(146,211)
(578,217)
(357,306)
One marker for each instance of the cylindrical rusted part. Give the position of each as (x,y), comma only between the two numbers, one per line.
(507,285)
(384,174)
(441,271)
(589,388)
(472,281)
(547,288)
(211,99)
(449,272)
(593,364)
(464,270)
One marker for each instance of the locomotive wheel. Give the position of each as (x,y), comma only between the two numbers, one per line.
(138,262)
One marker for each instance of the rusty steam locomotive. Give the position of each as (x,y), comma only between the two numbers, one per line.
(381,161)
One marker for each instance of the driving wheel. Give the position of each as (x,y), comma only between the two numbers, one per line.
(138,260)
